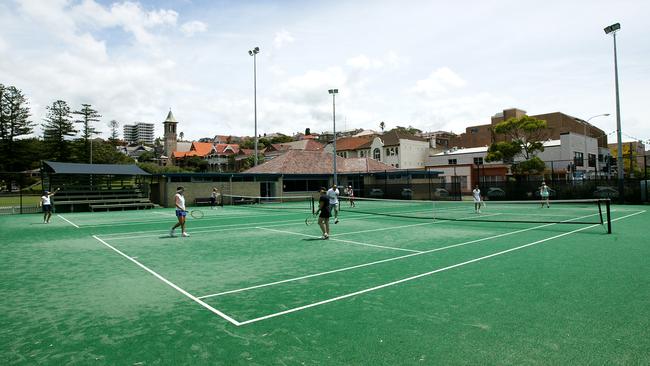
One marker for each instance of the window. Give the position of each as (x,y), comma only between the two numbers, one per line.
(478,161)
(361,153)
(592,160)
(578,158)
(343,154)
(473,130)
(452,161)
(376,154)
(397,151)
(387,152)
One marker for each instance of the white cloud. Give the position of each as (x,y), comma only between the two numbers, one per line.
(439,82)
(193,27)
(283,38)
(364,62)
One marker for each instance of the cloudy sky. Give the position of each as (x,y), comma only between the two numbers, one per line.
(435,65)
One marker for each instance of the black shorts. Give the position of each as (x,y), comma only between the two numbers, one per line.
(213,201)
(325,213)
(47,208)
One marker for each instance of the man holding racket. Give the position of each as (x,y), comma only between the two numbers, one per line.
(476,195)
(213,197)
(324,213)
(333,194)
(181,213)
(544,192)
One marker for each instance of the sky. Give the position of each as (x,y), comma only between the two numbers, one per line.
(433,65)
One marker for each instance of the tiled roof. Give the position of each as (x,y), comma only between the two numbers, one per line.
(309,145)
(354,143)
(391,138)
(316,162)
(226,149)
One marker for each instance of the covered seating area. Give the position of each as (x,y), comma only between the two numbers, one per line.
(92,187)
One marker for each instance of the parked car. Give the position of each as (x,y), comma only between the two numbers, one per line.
(407,193)
(495,193)
(605,192)
(376,193)
(440,193)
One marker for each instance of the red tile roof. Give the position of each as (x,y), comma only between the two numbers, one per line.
(353,143)
(317,162)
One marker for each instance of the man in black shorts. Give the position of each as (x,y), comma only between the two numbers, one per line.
(324,213)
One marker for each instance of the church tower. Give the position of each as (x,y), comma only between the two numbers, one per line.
(170,135)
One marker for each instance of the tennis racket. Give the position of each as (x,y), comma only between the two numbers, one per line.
(311,219)
(197,214)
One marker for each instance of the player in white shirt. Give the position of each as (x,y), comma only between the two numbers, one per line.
(351,195)
(476,195)
(181,213)
(333,195)
(46,203)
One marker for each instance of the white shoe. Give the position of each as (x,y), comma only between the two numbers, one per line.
(171,233)
(185,235)
(325,236)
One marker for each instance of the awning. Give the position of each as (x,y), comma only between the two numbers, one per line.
(99,169)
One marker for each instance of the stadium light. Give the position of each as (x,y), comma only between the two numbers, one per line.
(619,158)
(334,92)
(254,53)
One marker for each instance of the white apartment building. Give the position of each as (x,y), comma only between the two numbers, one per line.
(139,133)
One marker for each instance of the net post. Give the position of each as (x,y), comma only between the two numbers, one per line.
(600,212)
(609,217)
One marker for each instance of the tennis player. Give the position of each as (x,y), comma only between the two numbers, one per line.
(333,195)
(351,195)
(324,213)
(181,213)
(46,203)
(544,191)
(213,197)
(476,194)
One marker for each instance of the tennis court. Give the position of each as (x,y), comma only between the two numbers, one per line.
(253,284)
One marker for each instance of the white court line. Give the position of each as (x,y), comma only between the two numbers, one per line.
(341,240)
(372,263)
(175,287)
(70,222)
(425,274)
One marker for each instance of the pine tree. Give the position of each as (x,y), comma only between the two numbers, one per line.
(58,125)
(88,115)
(14,122)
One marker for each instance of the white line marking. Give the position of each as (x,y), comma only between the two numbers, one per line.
(194,298)
(341,240)
(424,274)
(70,222)
(376,262)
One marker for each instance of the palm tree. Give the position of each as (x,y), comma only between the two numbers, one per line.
(382,125)
(181,135)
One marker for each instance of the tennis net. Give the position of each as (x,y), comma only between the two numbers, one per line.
(591,211)
(300,203)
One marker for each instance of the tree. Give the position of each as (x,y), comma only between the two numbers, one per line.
(181,135)
(88,115)
(58,125)
(410,130)
(114,125)
(281,139)
(382,125)
(307,131)
(146,156)
(525,136)
(14,122)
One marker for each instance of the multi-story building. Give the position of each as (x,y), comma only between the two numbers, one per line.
(569,157)
(139,133)
(634,159)
(398,149)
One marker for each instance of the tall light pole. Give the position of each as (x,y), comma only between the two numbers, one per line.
(619,159)
(584,124)
(334,92)
(254,53)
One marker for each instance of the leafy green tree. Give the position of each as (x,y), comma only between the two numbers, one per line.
(146,156)
(106,153)
(58,125)
(410,130)
(281,139)
(522,136)
(14,122)
(307,131)
(382,125)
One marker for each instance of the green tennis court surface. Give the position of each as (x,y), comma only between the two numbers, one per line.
(256,286)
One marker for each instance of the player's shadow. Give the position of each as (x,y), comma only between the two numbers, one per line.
(312,239)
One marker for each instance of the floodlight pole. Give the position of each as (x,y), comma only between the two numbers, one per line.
(254,53)
(334,92)
(619,158)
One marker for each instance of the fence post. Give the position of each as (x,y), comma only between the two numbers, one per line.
(20,192)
